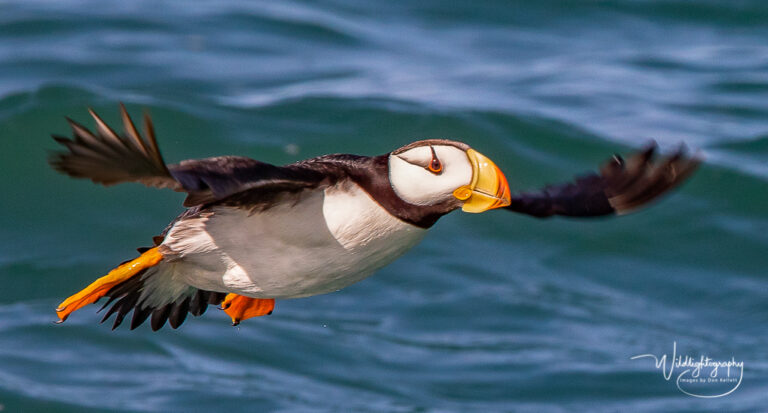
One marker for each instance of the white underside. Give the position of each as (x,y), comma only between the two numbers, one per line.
(326,241)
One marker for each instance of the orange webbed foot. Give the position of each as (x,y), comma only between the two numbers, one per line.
(241,308)
(101,287)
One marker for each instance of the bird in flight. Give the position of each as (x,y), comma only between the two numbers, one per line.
(255,232)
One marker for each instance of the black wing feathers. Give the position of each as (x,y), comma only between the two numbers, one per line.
(216,179)
(584,197)
(108,158)
(619,188)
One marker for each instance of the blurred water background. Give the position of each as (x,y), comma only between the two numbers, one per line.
(492,312)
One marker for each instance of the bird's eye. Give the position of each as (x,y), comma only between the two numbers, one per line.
(435,166)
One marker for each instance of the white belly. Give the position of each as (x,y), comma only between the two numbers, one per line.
(328,240)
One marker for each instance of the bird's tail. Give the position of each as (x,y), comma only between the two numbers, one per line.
(105,284)
(147,286)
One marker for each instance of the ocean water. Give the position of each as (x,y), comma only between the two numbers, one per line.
(492,312)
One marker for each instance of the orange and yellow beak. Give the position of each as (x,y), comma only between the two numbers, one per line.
(489,188)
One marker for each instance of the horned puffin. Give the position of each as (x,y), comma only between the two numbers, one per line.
(255,232)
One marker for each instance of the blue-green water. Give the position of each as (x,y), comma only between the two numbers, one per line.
(492,312)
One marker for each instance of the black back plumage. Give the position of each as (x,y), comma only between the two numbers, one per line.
(109,158)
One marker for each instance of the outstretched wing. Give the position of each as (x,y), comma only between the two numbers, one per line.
(108,158)
(619,188)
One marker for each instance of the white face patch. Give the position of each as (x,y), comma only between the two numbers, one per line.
(416,184)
